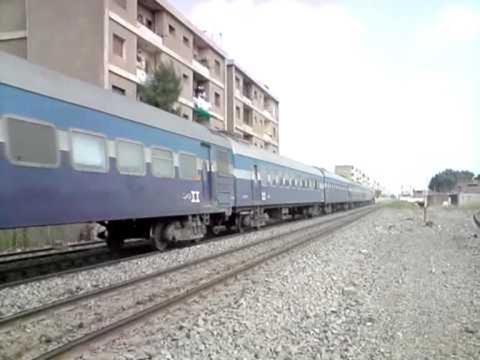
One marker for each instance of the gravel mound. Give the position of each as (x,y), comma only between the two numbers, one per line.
(387,286)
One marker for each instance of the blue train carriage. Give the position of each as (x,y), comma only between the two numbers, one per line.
(71,152)
(270,187)
(337,192)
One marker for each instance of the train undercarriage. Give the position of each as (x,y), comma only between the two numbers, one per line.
(166,231)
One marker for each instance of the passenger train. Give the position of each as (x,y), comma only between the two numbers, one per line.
(71,152)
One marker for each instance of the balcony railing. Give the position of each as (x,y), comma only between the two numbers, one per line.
(245,127)
(149,35)
(201,69)
(268,115)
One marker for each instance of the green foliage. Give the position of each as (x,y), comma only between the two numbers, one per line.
(447,180)
(162,89)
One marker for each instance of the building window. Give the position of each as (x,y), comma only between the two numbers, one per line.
(118,90)
(118,45)
(150,24)
(185,78)
(171,30)
(130,158)
(223,163)
(89,151)
(237,82)
(186,41)
(188,166)
(255,94)
(122,3)
(185,116)
(32,143)
(217,100)
(237,112)
(217,68)
(162,163)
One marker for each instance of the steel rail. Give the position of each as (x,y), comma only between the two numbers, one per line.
(186,294)
(108,263)
(25,314)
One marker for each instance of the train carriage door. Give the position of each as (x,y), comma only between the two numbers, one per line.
(256,185)
(223,185)
(207,183)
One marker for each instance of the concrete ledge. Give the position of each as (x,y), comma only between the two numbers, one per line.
(13,35)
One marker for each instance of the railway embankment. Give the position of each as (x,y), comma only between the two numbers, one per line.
(387,286)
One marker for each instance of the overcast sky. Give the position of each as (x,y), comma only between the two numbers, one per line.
(392,87)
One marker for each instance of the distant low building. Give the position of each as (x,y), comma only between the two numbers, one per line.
(466,194)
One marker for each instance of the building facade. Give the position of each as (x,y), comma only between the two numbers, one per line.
(354,174)
(252,110)
(118,44)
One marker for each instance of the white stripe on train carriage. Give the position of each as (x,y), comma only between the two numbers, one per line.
(243,174)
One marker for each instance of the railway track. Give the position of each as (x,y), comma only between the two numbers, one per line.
(24,267)
(10,256)
(68,324)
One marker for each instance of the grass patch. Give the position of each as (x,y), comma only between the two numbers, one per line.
(400,204)
(471,206)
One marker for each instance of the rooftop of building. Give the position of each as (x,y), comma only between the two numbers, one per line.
(265,88)
(183,19)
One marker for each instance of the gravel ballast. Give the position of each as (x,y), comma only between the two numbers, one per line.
(42,292)
(387,286)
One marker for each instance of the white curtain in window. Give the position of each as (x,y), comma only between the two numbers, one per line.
(130,158)
(89,151)
(188,166)
(162,163)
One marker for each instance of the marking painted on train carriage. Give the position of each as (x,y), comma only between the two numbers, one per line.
(192,196)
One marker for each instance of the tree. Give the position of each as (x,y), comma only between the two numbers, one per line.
(162,89)
(448,179)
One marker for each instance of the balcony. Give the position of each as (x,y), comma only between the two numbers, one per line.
(268,115)
(247,128)
(148,35)
(246,100)
(201,69)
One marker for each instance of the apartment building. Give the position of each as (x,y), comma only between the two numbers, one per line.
(354,174)
(118,44)
(252,110)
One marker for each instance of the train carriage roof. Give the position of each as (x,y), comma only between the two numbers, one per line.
(263,155)
(22,74)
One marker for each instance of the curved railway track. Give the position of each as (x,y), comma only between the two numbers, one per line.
(83,318)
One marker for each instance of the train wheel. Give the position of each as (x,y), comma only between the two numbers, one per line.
(158,240)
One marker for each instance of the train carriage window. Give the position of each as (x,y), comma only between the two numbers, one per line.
(130,158)
(89,151)
(223,163)
(188,166)
(162,163)
(32,143)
